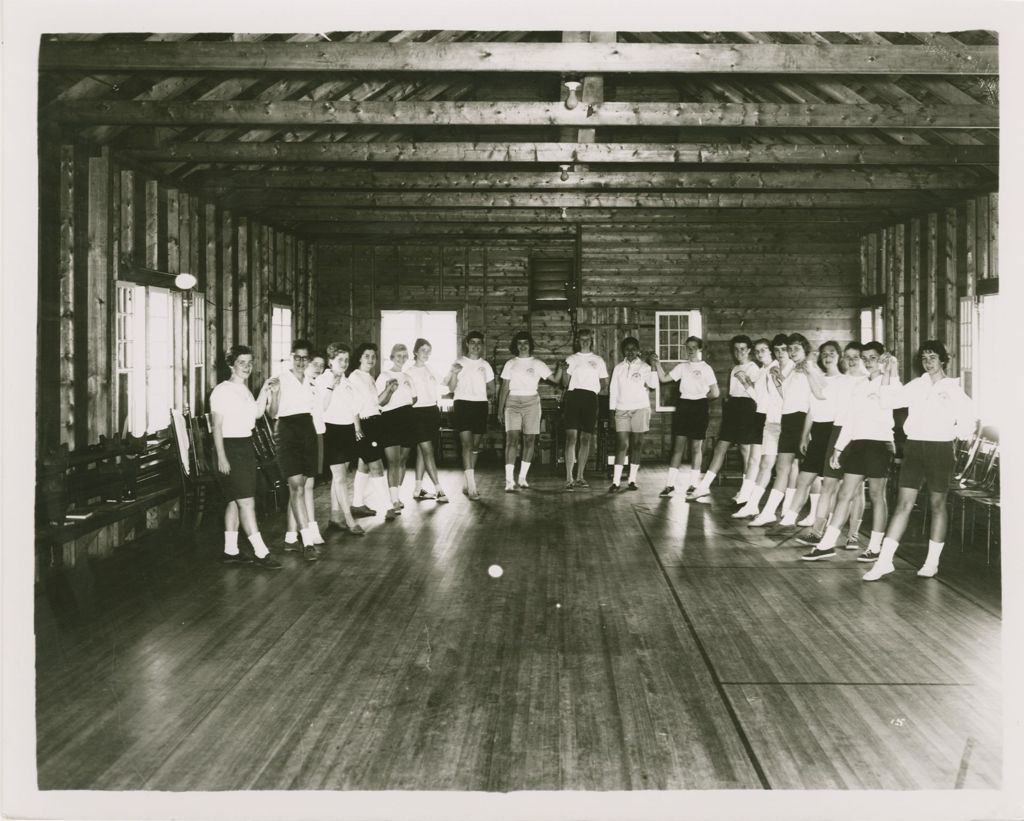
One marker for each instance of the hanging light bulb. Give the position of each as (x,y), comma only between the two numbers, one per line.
(564,176)
(573,99)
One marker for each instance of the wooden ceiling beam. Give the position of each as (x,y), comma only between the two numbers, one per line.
(859,179)
(437,113)
(583,58)
(551,199)
(556,153)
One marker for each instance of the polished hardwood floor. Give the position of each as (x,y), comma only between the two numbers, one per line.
(632,643)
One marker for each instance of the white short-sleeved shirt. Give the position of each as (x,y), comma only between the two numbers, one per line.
(736,388)
(524,374)
(295,397)
(842,396)
(403,393)
(628,389)
(824,410)
(424,384)
(366,393)
(341,409)
(472,379)
(695,379)
(936,411)
(586,370)
(234,403)
(796,392)
(769,400)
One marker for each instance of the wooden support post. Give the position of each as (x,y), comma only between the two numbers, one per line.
(970,249)
(993,235)
(864,273)
(312,275)
(172,227)
(899,274)
(981,237)
(244,284)
(228,260)
(66,273)
(214,294)
(153,256)
(99,289)
(950,296)
(931,271)
(128,232)
(913,314)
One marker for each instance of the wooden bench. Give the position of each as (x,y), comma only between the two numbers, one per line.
(80,492)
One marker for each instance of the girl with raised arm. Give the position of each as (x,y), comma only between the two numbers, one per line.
(426,421)
(470,380)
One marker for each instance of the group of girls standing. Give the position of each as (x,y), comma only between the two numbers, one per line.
(815,422)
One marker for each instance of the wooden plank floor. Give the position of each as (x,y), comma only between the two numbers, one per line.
(632,643)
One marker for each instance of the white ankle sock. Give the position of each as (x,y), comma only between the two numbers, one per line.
(307,536)
(617,474)
(231,542)
(830,539)
(889,547)
(875,543)
(291,537)
(359,489)
(705,483)
(510,473)
(258,547)
(524,468)
(634,471)
(756,492)
(934,551)
(787,498)
(788,518)
(394,494)
(814,505)
(379,488)
(774,497)
(744,494)
(470,480)
(672,473)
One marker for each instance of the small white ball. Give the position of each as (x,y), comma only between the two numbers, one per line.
(495,571)
(559,606)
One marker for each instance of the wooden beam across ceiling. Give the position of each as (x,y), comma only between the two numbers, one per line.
(551,199)
(436,113)
(592,153)
(557,58)
(859,179)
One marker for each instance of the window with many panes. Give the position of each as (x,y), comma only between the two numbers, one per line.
(280,338)
(671,329)
(872,326)
(967,344)
(439,328)
(148,343)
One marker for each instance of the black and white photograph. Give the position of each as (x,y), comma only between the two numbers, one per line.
(511,421)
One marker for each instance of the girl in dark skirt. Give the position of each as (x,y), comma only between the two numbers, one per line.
(341,423)
(426,421)
(369,436)
(585,375)
(397,396)
(234,417)
(697,385)
(817,427)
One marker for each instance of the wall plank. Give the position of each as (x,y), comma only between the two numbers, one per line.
(66,273)
(950,296)
(99,289)
(913,297)
(931,278)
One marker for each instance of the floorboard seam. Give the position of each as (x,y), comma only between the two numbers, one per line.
(719,687)
(850,683)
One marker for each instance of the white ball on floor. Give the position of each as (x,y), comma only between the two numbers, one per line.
(495,571)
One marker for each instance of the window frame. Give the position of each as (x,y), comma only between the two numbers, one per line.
(278,364)
(666,393)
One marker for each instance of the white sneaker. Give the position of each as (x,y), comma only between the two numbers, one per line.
(510,487)
(807,521)
(762,519)
(928,571)
(741,498)
(877,571)
(523,484)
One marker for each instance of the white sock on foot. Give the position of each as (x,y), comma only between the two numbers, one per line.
(772,505)
(470,480)
(830,539)
(616,474)
(258,546)
(672,473)
(787,498)
(231,542)
(875,544)
(291,537)
(359,489)
(634,471)
(510,473)
(524,468)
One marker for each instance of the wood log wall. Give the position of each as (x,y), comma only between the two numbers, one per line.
(919,269)
(752,278)
(100,219)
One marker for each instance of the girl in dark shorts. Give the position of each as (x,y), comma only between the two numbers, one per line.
(470,380)
(864,450)
(314,369)
(369,436)
(426,421)
(697,385)
(234,417)
(341,423)
(817,430)
(398,436)
(939,412)
(737,420)
(585,375)
(796,402)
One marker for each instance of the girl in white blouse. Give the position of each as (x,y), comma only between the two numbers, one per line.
(397,395)
(426,421)
(234,417)
(369,444)
(338,400)
(585,375)
(519,406)
(314,369)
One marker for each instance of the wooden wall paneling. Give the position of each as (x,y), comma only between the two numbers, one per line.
(185,227)
(212,248)
(931,317)
(993,235)
(172,229)
(244,289)
(312,253)
(899,271)
(66,275)
(888,286)
(127,219)
(970,235)
(865,271)
(153,256)
(47,365)
(80,279)
(100,286)
(981,238)
(950,295)
(197,240)
(913,314)
(228,288)
(258,302)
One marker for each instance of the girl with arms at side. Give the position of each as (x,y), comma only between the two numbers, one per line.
(519,406)
(586,375)
(470,380)
(426,421)
(629,400)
